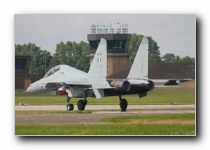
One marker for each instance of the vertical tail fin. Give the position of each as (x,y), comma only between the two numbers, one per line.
(139,69)
(98,70)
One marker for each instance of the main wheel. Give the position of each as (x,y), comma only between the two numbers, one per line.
(123,104)
(70,107)
(81,105)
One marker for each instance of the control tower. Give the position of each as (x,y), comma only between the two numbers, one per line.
(117,45)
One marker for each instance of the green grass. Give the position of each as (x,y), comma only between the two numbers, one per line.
(128,125)
(124,119)
(105,129)
(162,96)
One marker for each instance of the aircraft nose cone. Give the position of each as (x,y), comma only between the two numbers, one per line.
(35,88)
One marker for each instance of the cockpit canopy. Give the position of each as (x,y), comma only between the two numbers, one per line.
(52,71)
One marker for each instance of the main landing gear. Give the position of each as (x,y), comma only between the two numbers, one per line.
(81,104)
(123,104)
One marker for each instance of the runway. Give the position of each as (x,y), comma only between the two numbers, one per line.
(98,112)
(107,107)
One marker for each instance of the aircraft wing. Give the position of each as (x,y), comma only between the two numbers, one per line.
(61,86)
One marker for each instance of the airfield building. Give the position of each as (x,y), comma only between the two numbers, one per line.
(22,77)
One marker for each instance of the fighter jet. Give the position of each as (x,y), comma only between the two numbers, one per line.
(76,83)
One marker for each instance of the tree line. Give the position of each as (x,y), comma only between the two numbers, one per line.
(76,54)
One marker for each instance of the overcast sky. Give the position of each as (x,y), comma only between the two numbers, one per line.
(173,33)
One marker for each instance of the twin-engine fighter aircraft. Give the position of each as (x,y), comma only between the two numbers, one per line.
(76,83)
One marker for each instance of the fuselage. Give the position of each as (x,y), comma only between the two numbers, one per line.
(59,74)
(74,82)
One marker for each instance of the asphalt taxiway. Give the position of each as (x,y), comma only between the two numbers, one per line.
(107,107)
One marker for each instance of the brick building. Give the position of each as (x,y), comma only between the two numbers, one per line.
(22,78)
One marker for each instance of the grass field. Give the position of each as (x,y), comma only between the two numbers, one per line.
(161,96)
(173,124)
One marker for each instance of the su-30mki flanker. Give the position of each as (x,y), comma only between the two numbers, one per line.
(76,83)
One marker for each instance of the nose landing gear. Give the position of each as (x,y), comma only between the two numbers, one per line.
(68,105)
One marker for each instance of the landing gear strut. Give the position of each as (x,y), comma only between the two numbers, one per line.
(123,104)
(68,105)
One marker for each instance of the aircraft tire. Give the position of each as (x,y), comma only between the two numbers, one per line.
(70,107)
(81,105)
(123,104)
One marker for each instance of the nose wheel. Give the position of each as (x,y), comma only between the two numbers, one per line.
(68,105)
